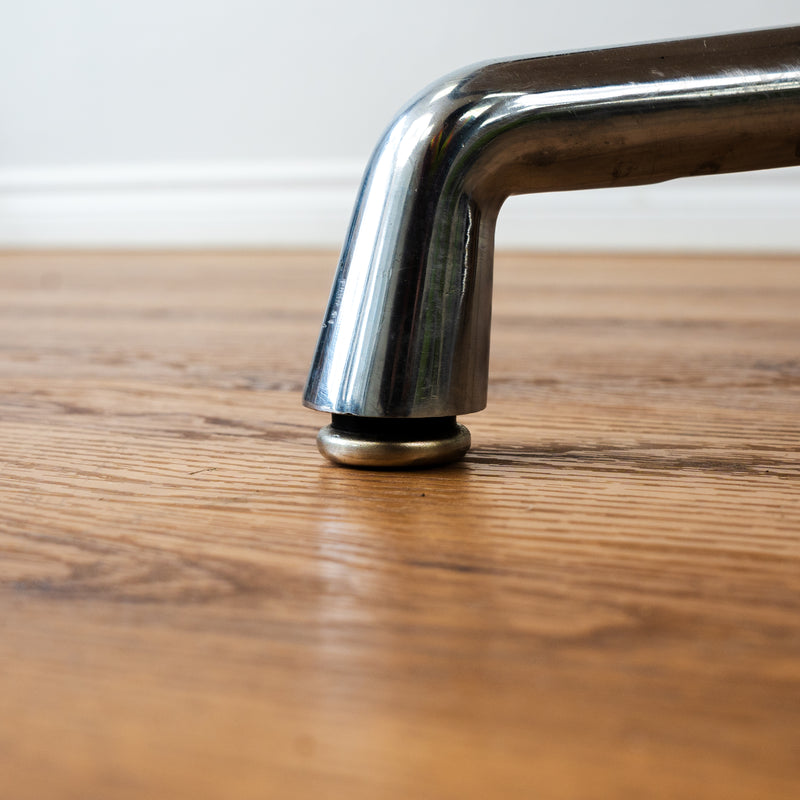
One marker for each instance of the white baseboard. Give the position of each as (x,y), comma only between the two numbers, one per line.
(308,204)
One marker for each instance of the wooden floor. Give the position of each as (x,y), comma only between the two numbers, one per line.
(601,601)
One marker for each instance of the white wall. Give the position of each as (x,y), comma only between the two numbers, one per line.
(248,122)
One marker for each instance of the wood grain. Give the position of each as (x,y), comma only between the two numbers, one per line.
(601,601)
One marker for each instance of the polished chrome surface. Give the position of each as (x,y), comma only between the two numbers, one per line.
(371,452)
(406,333)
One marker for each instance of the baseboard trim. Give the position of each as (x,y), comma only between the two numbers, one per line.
(308,204)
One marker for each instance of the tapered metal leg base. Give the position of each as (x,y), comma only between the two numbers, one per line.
(377,443)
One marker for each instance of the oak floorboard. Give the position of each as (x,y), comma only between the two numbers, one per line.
(601,601)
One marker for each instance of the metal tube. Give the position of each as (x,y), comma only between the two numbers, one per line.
(406,332)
